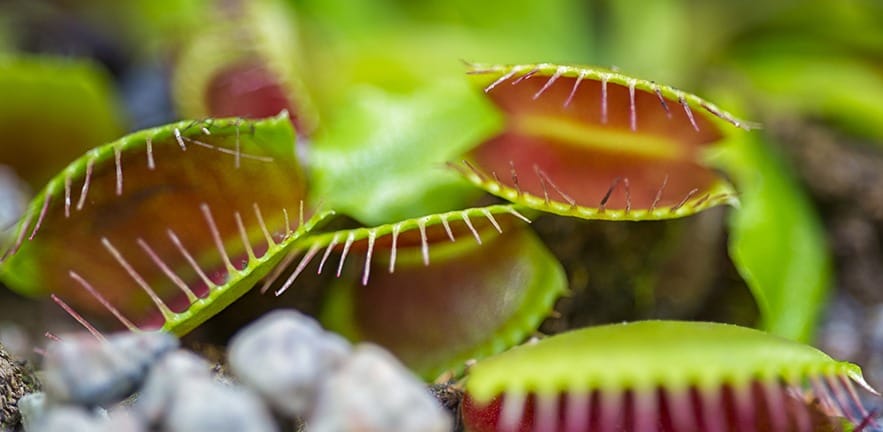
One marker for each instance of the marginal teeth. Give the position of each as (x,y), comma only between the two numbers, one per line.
(166,270)
(424,245)
(117,159)
(633,113)
(579,79)
(300,268)
(578,412)
(546,416)
(366,272)
(689,113)
(346,248)
(681,410)
(42,216)
(512,411)
(154,297)
(85,190)
(79,318)
(468,223)
(189,258)
(610,414)
(327,253)
(216,236)
(713,410)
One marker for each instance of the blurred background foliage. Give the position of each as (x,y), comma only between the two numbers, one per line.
(810,71)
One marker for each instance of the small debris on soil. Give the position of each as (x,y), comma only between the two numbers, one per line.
(16,380)
(450,395)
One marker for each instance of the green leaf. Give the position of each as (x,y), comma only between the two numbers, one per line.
(382,157)
(777,241)
(401,46)
(52,110)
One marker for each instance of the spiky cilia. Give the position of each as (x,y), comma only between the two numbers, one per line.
(436,290)
(597,144)
(663,376)
(164,227)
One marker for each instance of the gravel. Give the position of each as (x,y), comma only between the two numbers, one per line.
(83,370)
(285,356)
(360,397)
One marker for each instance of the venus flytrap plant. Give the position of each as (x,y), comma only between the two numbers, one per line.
(171,225)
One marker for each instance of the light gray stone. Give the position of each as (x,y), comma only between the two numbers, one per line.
(83,370)
(204,405)
(373,392)
(66,419)
(285,356)
(165,378)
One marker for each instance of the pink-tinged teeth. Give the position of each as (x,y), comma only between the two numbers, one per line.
(663,376)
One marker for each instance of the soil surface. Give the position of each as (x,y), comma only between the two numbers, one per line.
(16,380)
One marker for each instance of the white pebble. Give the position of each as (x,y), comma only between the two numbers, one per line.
(82,370)
(31,406)
(204,405)
(373,392)
(66,419)
(165,377)
(285,355)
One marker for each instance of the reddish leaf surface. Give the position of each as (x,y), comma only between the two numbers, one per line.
(124,218)
(441,289)
(599,145)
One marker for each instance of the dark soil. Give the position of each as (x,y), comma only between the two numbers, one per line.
(675,269)
(16,380)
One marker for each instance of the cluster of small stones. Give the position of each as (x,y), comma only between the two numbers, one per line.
(289,374)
